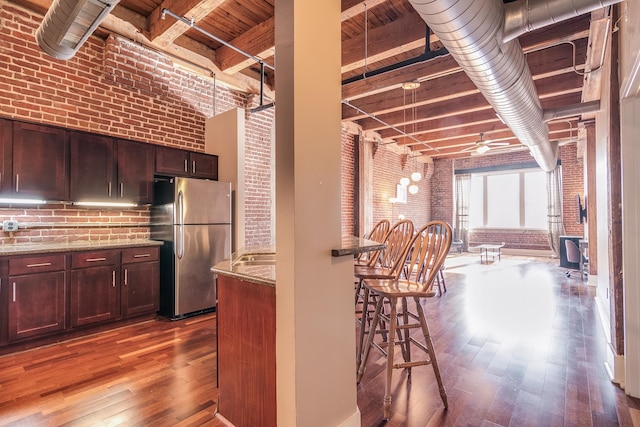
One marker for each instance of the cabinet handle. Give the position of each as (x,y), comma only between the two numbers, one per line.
(121,189)
(193,167)
(142,256)
(14,291)
(126,276)
(109,189)
(113,278)
(17,182)
(185,166)
(42,264)
(95,259)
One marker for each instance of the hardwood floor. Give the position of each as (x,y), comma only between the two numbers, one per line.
(518,344)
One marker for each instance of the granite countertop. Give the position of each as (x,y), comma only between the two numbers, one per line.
(255,265)
(353,245)
(40,248)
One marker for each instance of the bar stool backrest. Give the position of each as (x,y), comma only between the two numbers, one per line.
(378,233)
(397,243)
(427,251)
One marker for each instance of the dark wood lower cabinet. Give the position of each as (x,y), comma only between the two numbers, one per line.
(36,304)
(44,295)
(95,287)
(140,288)
(246,352)
(94,295)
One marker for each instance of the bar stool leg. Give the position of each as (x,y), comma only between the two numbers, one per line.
(393,320)
(432,352)
(367,347)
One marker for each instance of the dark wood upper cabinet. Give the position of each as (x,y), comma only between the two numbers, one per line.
(172,161)
(40,162)
(136,163)
(204,165)
(92,167)
(176,162)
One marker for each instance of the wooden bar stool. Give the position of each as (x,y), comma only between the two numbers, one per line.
(428,250)
(391,263)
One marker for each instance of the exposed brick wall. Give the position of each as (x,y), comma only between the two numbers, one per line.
(442,191)
(572,183)
(258,177)
(116,87)
(347,175)
(387,171)
(66,223)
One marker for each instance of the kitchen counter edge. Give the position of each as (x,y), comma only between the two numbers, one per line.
(42,248)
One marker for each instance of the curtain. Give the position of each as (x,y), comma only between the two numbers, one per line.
(461,228)
(554,209)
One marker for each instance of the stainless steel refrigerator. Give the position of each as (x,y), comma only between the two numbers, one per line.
(193,219)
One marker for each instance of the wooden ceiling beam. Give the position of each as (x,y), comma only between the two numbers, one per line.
(351,8)
(164,31)
(557,60)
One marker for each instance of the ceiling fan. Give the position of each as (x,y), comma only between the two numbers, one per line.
(482,146)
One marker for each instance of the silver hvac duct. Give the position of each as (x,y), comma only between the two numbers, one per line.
(527,15)
(472,32)
(69,23)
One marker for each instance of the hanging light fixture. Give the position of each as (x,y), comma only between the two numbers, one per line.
(410,86)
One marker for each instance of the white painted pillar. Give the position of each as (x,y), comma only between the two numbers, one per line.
(315,333)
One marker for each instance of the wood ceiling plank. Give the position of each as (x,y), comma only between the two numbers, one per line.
(164,31)
(401,35)
(258,41)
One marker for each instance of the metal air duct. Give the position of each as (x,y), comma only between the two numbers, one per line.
(472,32)
(523,16)
(69,23)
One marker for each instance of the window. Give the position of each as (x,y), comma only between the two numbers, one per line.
(513,199)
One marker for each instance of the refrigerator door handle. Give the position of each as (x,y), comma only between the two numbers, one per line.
(180,248)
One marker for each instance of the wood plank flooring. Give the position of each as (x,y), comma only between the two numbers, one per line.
(518,345)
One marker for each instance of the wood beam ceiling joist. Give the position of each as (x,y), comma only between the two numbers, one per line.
(164,31)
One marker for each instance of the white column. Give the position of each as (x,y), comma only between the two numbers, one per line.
(315,338)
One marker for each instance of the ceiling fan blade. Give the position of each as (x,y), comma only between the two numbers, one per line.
(498,144)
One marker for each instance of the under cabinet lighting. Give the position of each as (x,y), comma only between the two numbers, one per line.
(106,204)
(22,201)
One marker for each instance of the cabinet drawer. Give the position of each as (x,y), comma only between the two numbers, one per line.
(139,254)
(94,259)
(36,264)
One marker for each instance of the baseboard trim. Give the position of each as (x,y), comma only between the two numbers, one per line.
(353,420)
(614,363)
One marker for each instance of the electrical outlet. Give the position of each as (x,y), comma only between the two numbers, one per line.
(9,225)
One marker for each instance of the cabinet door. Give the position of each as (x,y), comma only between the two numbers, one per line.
(40,162)
(36,304)
(92,167)
(6,145)
(172,161)
(4,300)
(140,284)
(204,165)
(135,171)
(94,294)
